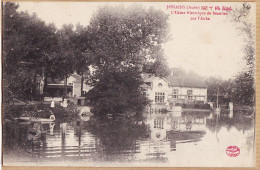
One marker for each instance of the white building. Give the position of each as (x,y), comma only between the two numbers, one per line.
(56,88)
(187,90)
(174,90)
(156,89)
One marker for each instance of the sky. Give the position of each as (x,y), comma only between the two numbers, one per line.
(207,47)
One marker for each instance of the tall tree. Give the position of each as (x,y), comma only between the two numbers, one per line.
(124,40)
(65,56)
(126,37)
(83,57)
(27,43)
(245,81)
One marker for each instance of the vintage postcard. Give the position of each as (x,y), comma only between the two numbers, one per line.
(128,84)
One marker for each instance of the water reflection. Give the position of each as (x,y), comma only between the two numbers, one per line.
(154,137)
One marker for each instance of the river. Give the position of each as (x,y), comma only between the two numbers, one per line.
(193,138)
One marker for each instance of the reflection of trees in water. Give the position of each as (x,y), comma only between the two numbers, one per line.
(15,135)
(20,137)
(186,136)
(239,121)
(118,137)
(11,135)
(212,124)
(250,139)
(149,138)
(195,113)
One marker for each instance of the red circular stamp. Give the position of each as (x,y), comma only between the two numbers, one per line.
(233,151)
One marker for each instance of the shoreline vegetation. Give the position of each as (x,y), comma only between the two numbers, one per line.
(40,111)
(43,110)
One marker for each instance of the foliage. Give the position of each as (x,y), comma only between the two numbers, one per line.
(241,89)
(32,49)
(118,92)
(244,92)
(196,106)
(115,137)
(226,90)
(27,41)
(40,111)
(65,52)
(123,40)
(117,44)
(126,37)
(83,57)
(158,66)
(245,81)
(81,49)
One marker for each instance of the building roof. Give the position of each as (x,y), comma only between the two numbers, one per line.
(53,81)
(76,77)
(72,77)
(178,81)
(145,86)
(186,82)
(150,78)
(146,76)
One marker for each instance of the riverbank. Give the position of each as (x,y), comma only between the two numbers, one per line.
(195,110)
(39,110)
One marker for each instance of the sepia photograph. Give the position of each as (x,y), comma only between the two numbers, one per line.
(128,84)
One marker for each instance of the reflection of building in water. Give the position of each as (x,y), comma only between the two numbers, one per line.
(157,146)
(167,130)
(231,114)
(153,140)
(158,126)
(176,121)
(192,122)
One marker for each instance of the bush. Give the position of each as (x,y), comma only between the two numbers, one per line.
(118,92)
(196,106)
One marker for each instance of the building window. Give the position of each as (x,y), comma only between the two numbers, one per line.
(189,94)
(158,123)
(175,93)
(159,97)
(160,85)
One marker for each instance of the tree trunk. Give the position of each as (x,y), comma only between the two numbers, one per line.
(34,87)
(82,81)
(66,90)
(42,89)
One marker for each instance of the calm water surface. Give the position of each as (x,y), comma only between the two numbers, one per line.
(154,139)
